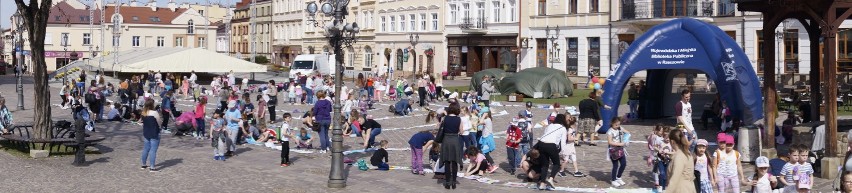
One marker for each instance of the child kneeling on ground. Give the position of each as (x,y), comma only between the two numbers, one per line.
(379,155)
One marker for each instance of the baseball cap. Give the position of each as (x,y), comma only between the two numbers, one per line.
(701,142)
(232,104)
(730,140)
(761,162)
(529,104)
(721,138)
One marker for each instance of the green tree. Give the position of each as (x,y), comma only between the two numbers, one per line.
(259,60)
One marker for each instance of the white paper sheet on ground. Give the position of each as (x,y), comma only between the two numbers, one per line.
(503,112)
(537,126)
(498,104)
(301,151)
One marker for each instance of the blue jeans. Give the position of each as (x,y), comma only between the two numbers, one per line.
(618,167)
(468,140)
(634,106)
(514,157)
(323,134)
(373,133)
(310,95)
(355,130)
(525,148)
(661,169)
(149,151)
(200,127)
(370,91)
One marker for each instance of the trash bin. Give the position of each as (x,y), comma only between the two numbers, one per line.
(748,143)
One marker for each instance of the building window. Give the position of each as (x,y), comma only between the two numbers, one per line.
(572,59)
(202,42)
(542,7)
(412,22)
(201,12)
(64,40)
(595,56)
(383,24)
(135,41)
(593,6)
(370,20)
(759,50)
(190,28)
(402,23)
(454,11)
(351,54)
(392,23)
(496,13)
(512,11)
(368,57)
(364,19)
(791,51)
(161,41)
(572,9)
(466,10)
(87,39)
(480,11)
(423,22)
(844,50)
(179,42)
(116,41)
(434,22)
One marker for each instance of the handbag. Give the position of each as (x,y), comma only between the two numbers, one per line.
(440,137)
(315,126)
(617,152)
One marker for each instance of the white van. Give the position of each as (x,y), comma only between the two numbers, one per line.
(308,63)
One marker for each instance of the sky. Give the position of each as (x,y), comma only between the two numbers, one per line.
(8,7)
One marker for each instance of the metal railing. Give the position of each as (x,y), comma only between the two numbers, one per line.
(473,23)
(647,10)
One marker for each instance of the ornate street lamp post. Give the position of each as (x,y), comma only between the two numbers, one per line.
(414,39)
(554,49)
(19,50)
(339,34)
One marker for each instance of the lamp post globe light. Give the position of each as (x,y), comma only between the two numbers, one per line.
(339,34)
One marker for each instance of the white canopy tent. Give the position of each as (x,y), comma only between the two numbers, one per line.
(176,60)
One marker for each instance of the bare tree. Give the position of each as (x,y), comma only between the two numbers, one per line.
(35,16)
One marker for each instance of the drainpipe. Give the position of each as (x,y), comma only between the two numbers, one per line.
(518,58)
(610,47)
(742,30)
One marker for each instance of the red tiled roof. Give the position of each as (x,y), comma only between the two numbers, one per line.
(144,15)
(62,13)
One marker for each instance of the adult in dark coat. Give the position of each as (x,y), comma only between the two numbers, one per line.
(451,149)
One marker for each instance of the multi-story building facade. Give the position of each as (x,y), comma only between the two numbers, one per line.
(288,26)
(568,35)
(70,36)
(410,36)
(356,59)
(482,35)
(222,43)
(241,29)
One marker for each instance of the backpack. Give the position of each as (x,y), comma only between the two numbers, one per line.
(90,98)
(736,153)
(511,135)
(526,134)
(362,165)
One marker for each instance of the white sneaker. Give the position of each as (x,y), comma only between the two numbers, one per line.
(616,184)
(620,181)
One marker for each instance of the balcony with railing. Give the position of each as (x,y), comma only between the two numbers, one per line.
(470,23)
(675,8)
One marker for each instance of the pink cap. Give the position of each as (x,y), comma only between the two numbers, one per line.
(721,138)
(730,140)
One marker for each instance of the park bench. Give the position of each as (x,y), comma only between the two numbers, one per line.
(20,137)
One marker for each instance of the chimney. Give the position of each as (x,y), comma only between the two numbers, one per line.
(172,5)
(152,4)
(133,3)
(184,5)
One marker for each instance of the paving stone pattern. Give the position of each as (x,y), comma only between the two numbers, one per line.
(186,164)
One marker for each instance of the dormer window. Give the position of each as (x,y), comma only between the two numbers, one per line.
(190,28)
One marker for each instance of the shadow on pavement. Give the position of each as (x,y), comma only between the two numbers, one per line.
(600,176)
(169,163)
(99,160)
(642,182)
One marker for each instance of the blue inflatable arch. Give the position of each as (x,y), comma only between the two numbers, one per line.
(688,44)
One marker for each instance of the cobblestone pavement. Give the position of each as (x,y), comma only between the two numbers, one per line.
(186,164)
